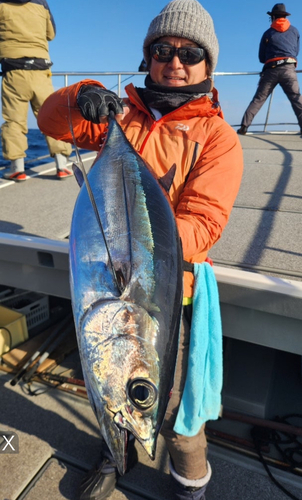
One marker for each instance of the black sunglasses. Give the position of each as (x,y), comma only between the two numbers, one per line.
(187,55)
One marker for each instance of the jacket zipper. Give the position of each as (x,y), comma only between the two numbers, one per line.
(153,126)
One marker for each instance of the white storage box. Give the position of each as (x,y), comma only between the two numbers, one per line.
(34,306)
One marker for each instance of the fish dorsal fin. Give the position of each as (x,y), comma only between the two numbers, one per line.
(167,179)
(78,174)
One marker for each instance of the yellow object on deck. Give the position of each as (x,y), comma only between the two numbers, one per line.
(13,329)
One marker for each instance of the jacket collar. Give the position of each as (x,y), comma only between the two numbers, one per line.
(203,106)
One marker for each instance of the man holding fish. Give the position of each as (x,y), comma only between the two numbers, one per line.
(176,126)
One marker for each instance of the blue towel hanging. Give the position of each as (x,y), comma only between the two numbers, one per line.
(201,399)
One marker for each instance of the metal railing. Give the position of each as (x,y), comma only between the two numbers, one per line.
(253,73)
(118,74)
(130,74)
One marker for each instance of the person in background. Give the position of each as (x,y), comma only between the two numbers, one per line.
(175,119)
(25,28)
(278,51)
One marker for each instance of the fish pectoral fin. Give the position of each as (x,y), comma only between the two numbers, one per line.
(78,174)
(167,179)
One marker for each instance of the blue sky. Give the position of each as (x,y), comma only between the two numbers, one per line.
(97,35)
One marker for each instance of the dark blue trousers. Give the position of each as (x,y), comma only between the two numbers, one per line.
(286,77)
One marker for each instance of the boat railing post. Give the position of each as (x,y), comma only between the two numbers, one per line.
(119,84)
(268,110)
(66,80)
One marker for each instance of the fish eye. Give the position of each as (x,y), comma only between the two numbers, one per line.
(142,394)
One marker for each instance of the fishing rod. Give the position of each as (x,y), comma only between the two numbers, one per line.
(260,422)
(28,374)
(62,379)
(91,196)
(41,349)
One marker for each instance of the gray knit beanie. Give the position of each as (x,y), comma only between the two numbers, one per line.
(184,19)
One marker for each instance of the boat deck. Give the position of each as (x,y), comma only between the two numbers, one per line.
(41,206)
(57,431)
(58,443)
(262,234)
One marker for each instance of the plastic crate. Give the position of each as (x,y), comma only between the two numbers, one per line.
(5,292)
(13,329)
(34,306)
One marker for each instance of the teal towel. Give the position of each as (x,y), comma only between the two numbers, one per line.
(201,399)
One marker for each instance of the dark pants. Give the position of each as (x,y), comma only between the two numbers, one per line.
(188,454)
(286,77)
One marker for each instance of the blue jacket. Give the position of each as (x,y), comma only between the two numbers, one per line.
(279,43)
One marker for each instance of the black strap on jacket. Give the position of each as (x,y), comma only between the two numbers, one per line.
(188,266)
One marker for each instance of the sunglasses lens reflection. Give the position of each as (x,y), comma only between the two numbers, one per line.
(187,55)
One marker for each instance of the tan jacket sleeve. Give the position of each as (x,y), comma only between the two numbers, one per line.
(50,27)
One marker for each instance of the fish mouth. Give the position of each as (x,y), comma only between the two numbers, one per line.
(147,440)
(116,438)
(149,444)
(116,431)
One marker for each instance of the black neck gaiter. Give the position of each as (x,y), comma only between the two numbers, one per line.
(166,99)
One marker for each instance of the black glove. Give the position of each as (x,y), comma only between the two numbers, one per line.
(96,102)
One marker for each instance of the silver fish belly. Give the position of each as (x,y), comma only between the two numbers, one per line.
(126,288)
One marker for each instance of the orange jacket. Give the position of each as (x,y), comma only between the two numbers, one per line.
(205,149)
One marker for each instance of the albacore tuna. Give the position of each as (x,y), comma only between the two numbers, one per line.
(126,286)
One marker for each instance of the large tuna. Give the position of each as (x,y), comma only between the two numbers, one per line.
(126,286)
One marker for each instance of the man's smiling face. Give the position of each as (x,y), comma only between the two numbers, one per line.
(174,73)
